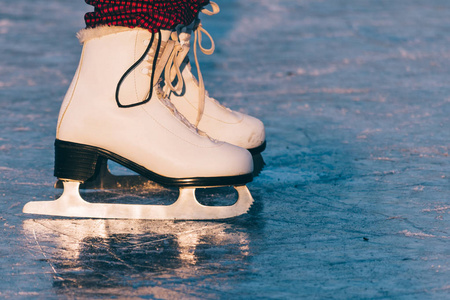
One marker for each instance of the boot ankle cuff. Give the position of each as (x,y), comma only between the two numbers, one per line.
(87,34)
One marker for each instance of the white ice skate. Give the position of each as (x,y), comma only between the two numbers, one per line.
(193,102)
(114,110)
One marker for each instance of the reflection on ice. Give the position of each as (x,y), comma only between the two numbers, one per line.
(100,254)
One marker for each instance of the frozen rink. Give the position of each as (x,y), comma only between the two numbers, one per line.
(354,200)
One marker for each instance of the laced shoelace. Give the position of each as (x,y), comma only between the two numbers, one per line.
(181,50)
(153,63)
(163,98)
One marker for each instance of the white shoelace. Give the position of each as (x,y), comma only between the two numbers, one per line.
(181,50)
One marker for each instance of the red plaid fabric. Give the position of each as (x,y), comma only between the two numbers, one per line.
(148,14)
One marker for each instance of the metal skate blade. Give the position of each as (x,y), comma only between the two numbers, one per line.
(70,204)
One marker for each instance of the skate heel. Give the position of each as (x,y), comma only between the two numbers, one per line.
(75,161)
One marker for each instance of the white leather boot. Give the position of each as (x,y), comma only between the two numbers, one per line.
(193,102)
(114,110)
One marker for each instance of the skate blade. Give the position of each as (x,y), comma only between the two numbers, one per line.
(70,204)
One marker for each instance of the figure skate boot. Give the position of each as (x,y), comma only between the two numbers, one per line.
(193,102)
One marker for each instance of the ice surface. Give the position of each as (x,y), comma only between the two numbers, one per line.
(354,200)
